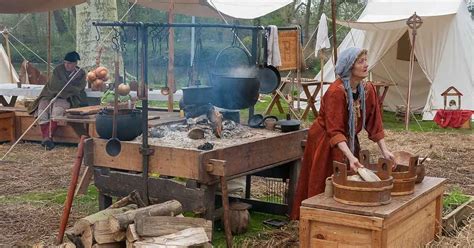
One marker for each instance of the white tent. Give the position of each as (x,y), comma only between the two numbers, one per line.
(243,9)
(444,50)
(5,68)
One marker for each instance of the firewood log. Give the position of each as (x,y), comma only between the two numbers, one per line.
(110,245)
(184,238)
(103,234)
(131,234)
(84,226)
(120,221)
(156,226)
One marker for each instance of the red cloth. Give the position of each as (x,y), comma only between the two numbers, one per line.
(327,130)
(452,118)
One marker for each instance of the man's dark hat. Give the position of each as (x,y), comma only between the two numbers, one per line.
(72,56)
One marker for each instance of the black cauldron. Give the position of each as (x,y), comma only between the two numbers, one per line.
(129,124)
(234,92)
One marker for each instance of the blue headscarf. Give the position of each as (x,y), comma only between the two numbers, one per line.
(344,65)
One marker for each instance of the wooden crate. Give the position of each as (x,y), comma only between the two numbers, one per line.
(408,221)
(7,126)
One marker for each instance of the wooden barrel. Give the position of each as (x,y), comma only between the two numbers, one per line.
(361,193)
(404,177)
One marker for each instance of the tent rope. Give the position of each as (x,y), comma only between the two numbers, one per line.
(59,93)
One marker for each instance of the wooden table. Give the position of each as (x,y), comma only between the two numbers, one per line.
(310,97)
(33,91)
(408,221)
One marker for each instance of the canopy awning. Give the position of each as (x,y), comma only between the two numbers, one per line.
(29,6)
(243,9)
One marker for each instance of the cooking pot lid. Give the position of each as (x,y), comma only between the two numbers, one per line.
(289,122)
(256,120)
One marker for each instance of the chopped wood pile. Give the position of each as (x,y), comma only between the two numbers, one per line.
(125,224)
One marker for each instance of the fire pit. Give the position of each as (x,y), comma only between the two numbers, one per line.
(241,151)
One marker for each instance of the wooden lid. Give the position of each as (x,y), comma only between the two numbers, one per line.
(428,185)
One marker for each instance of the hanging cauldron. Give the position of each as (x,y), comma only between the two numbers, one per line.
(129,124)
(234,88)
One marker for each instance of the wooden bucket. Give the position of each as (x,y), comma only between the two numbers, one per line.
(363,193)
(404,177)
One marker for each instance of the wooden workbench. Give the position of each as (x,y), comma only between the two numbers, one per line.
(408,221)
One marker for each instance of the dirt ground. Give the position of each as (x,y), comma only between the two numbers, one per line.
(30,171)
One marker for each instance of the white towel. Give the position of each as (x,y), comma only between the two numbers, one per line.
(322,39)
(273,50)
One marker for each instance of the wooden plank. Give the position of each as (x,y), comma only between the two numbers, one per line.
(415,231)
(64,134)
(84,181)
(256,154)
(129,157)
(351,220)
(156,226)
(131,234)
(89,110)
(428,185)
(304,232)
(7,126)
(185,238)
(343,236)
(408,209)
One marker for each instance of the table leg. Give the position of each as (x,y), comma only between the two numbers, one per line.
(225,205)
(294,174)
(104,201)
(210,202)
(311,100)
(12,102)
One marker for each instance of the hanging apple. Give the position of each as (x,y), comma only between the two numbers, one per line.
(123,89)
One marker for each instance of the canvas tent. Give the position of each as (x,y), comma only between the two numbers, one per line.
(246,9)
(444,50)
(5,68)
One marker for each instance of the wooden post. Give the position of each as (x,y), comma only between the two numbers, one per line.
(333,17)
(9,56)
(413,23)
(49,45)
(71,190)
(225,204)
(170,71)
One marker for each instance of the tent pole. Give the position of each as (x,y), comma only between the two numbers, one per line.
(170,71)
(413,23)
(9,56)
(49,44)
(333,17)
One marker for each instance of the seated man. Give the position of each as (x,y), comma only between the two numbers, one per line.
(71,97)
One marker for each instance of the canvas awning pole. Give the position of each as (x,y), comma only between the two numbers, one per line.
(413,23)
(334,39)
(10,68)
(170,71)
(49,44)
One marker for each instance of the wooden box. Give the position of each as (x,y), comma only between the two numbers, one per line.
(408,221)
(7,126)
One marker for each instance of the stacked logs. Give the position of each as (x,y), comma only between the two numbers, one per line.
(132,226)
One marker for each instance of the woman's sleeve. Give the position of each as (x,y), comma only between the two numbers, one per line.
(373,123)
(335,116)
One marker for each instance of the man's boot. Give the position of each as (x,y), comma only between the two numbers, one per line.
(44,133)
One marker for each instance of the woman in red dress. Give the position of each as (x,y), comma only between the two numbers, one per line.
(348,106)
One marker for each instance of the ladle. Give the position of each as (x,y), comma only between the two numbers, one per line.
(113,145)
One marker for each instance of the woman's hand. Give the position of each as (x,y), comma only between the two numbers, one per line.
(386,153)
(355,164)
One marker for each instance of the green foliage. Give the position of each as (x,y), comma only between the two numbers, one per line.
(454,199)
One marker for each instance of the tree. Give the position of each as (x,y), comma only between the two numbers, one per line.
(86,42)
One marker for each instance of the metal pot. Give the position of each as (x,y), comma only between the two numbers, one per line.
(129,124)
(288,125)
(235,87)
(197,95)
(234,92)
